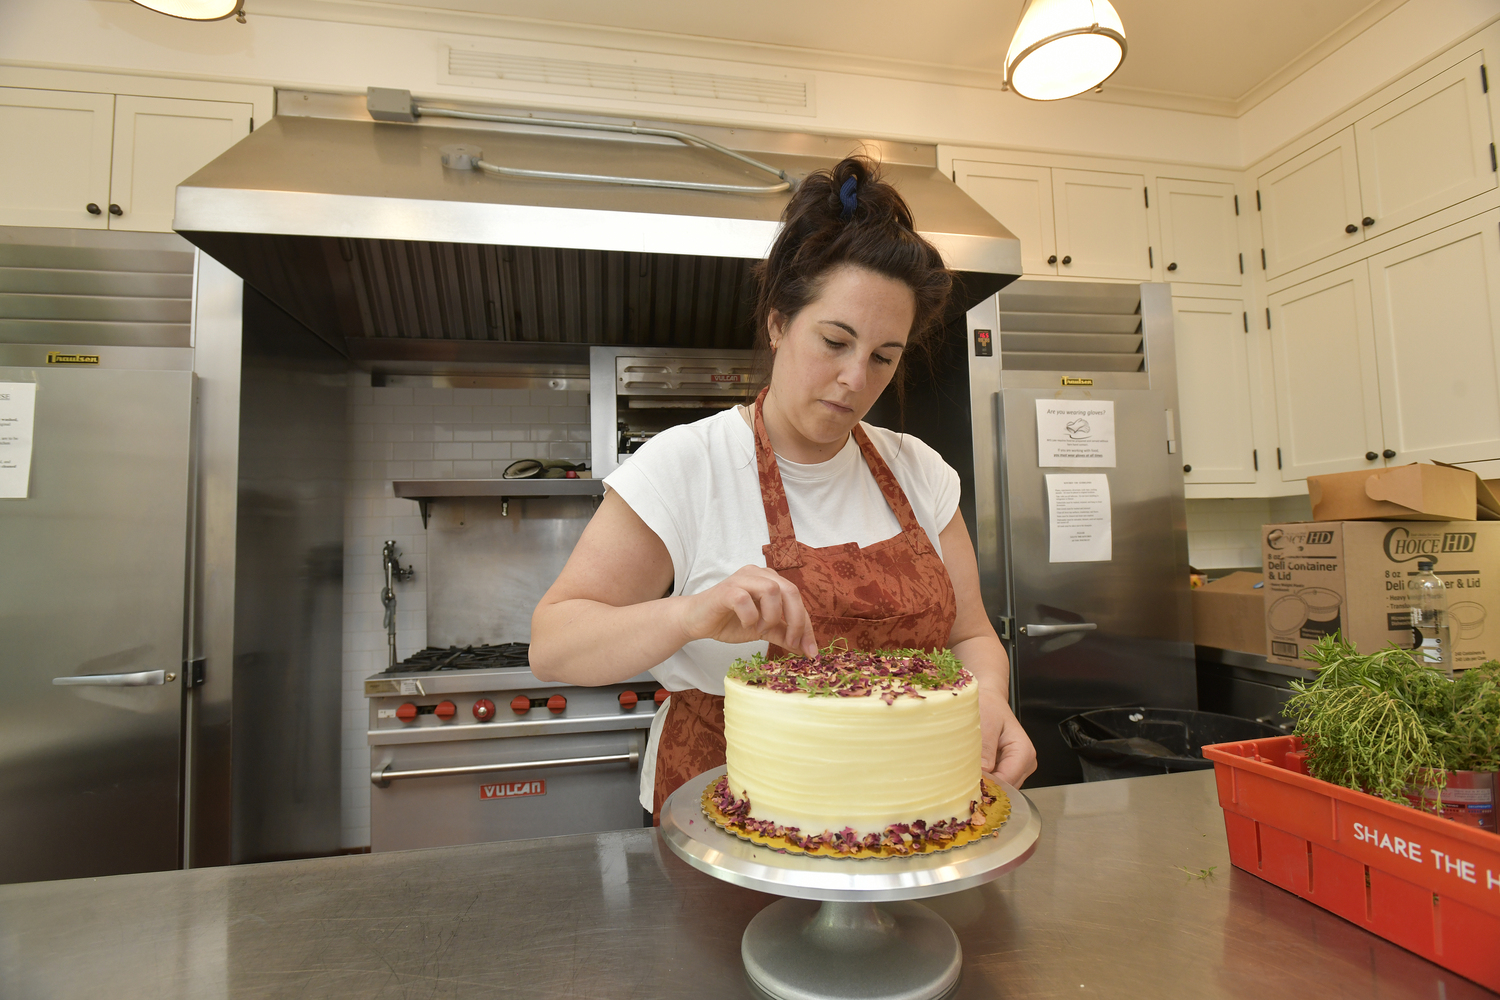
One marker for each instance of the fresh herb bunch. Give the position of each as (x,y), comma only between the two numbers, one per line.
(838,671)
(1384,722)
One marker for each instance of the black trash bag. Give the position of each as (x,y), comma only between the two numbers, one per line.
(1128,742)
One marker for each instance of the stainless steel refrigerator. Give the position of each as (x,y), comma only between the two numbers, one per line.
(1110,631)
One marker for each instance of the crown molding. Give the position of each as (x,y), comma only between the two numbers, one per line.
(1318,51)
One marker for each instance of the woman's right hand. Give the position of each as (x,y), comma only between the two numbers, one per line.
(751,604)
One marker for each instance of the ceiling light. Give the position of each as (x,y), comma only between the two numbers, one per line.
(1064,47)
(198,10)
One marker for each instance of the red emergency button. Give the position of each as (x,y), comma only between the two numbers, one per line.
(484,710)
(407,712)
(662,694)
(520,704)
(557,703)
(628,700)
(445,710)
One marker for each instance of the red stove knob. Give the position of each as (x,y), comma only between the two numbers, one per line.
(520,704)
(662,694)
(484,710)
(628,700)
(445,710)
(557,703)
(407,712)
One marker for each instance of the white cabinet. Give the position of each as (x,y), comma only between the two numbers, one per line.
(1421,152)
(1079,223)
(97,161)
(1213,390)
(1327,390)
(159,143)
(1199,233)
(56,155)
(1437,338)
(1426,150)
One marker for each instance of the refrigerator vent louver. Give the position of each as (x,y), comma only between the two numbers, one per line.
(1070,327)
(95,289)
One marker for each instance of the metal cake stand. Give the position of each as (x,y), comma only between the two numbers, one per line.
(848,928)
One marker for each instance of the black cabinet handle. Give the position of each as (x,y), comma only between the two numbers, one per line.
(1172,266)
(1388,453)
(1370,456)
(1368,222)
(116,210)
(1067,260)
(1052,259)
(1351,228)
(1187,468)
(93,209)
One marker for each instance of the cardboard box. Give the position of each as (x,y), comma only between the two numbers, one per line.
(1230,613)
(1416,492)
(1350,576)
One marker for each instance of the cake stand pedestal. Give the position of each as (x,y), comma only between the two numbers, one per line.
(848,928)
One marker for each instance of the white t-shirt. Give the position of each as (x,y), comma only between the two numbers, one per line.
(697,487)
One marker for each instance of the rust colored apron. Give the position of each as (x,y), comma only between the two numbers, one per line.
(894,594)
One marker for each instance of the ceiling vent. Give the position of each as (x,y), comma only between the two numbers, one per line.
(614,75)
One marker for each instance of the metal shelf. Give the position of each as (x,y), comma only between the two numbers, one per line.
(424,491)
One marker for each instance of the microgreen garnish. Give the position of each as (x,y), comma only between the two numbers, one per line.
(840,672)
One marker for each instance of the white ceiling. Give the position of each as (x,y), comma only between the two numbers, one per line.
(1218,55)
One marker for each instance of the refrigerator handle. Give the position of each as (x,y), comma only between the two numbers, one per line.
(1058,629)
(142,678)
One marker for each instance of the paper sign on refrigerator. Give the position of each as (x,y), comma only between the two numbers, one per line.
(1075,433)
(17,412)
(1078,518)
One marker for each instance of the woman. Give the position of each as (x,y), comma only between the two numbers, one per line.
(788,522)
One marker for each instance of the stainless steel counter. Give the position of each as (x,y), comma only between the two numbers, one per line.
(1102,909)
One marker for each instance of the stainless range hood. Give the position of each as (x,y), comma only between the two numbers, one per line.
(356,228)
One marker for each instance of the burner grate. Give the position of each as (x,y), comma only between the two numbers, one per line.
(433,658)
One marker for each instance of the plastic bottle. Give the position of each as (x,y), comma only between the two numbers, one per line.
(1428,600)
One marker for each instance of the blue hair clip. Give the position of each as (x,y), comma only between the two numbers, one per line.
(847,196)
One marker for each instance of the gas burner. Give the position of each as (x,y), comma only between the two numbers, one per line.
(434,658)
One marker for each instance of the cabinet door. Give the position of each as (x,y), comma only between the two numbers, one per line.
(1213,390)
(1327,393)
(1437,337)
(1426,150)
(1020,198)
(1199,237)
(55,159)
(1308,203)
(1101,224)
(159,143)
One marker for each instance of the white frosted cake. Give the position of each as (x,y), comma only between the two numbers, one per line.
(862,748)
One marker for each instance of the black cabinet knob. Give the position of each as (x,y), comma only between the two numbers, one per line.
(1388,453)
(116,210)
(1052,259)
(1368,222)
(1172,266)
(1187,468)
(1351,228)
(1370,456)
(93,209)
(1067,260)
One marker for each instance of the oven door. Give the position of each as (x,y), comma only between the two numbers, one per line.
(541,793)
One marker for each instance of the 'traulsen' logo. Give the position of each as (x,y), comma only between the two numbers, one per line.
(1277,538)
(1401,546)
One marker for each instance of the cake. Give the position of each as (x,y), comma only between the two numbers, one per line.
(853,753)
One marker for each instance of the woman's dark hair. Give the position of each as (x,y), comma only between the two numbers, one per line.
(830,223)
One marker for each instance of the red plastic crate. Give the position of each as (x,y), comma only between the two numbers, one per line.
(1425,883)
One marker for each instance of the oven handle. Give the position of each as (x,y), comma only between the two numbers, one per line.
(383,777)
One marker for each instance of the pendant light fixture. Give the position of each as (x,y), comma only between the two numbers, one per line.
(1064,47)
(198,10)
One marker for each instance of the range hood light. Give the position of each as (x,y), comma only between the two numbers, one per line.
(197,10)
(1064,47)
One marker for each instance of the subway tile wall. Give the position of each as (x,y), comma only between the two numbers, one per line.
(415,433)
(1225,534)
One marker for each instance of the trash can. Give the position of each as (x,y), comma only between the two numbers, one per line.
(1127,742)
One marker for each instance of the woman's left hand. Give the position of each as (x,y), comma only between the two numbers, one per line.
(1005,751)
